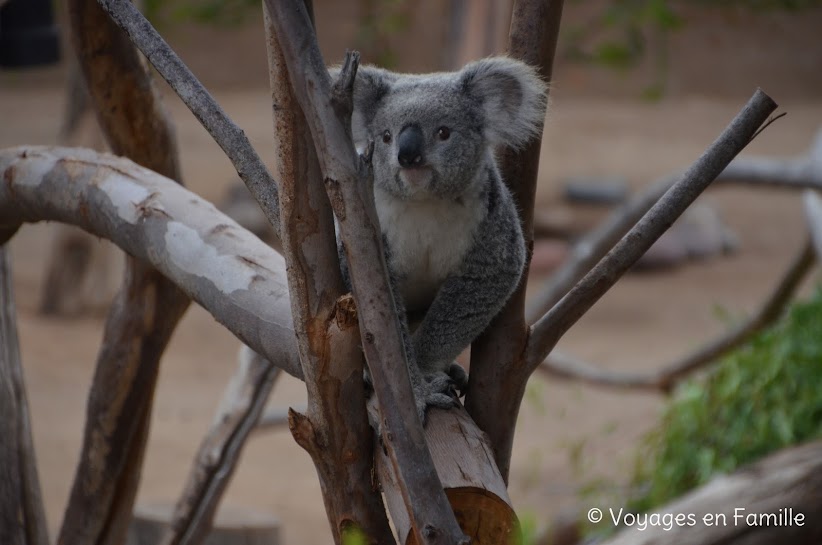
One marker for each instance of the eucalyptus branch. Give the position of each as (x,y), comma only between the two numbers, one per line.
(792,174)
(549,329)
(348,183)
(208,112)
(561,365)
(240,409)
(227,270)
(335,429)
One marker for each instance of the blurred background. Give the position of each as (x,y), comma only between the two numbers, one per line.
(641,88)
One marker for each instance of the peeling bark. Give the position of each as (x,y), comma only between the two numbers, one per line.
(335,429)
(231,273)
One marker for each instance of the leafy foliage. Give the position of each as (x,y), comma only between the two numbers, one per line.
(762,398)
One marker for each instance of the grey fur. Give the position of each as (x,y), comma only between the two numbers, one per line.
(454,244)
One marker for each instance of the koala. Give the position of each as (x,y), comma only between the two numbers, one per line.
(451,232)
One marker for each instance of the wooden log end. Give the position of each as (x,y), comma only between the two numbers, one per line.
(483,516)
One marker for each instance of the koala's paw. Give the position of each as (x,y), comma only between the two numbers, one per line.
(435,390)
(459,377)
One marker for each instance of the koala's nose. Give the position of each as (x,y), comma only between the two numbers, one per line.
(410,143)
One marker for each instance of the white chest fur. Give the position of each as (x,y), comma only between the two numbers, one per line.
(428,240)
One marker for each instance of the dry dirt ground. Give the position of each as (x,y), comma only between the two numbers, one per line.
(646,320)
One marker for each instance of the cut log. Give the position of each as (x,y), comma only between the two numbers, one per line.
(473,484)
(774,501)
(232,526)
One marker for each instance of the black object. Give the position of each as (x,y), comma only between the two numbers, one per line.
(28,34)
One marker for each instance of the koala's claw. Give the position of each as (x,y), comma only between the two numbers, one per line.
(459,377)
(435,390)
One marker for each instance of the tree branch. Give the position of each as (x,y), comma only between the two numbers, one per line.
(495,391)
(22,515)
(208,112)
(549,329)
(335,430)
(231,273)
(241,406)
(561,365)
(148,307)
(803,173)
(348,183)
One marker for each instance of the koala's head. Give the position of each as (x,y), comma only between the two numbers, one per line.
(432,132)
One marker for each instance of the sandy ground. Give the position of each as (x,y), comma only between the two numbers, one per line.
(646,320)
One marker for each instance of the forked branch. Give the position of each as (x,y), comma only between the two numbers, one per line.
(348,183)
(549,329)
(335,429)
(795,174)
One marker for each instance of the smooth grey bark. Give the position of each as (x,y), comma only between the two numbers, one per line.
(231,273)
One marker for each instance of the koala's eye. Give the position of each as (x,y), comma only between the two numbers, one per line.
(386,137)
(443,133)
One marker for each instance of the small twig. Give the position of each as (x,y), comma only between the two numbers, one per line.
(241,406)
(562,365)
(274,419)
(22,516)
(549,329)
(208,112)
(813,213)
(767,124)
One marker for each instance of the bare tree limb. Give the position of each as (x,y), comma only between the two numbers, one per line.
(561,365)
(148,307)
(225,132)
(803,173)
(587,252)
(22,515)
(495,389)
(335,430)
(784,484)
(550,328)
(231,273)
(241,406)
(813,212)
(348,183)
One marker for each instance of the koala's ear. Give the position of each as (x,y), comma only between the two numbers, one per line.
(512,95)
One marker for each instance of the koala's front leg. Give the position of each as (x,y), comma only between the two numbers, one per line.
(468,300)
